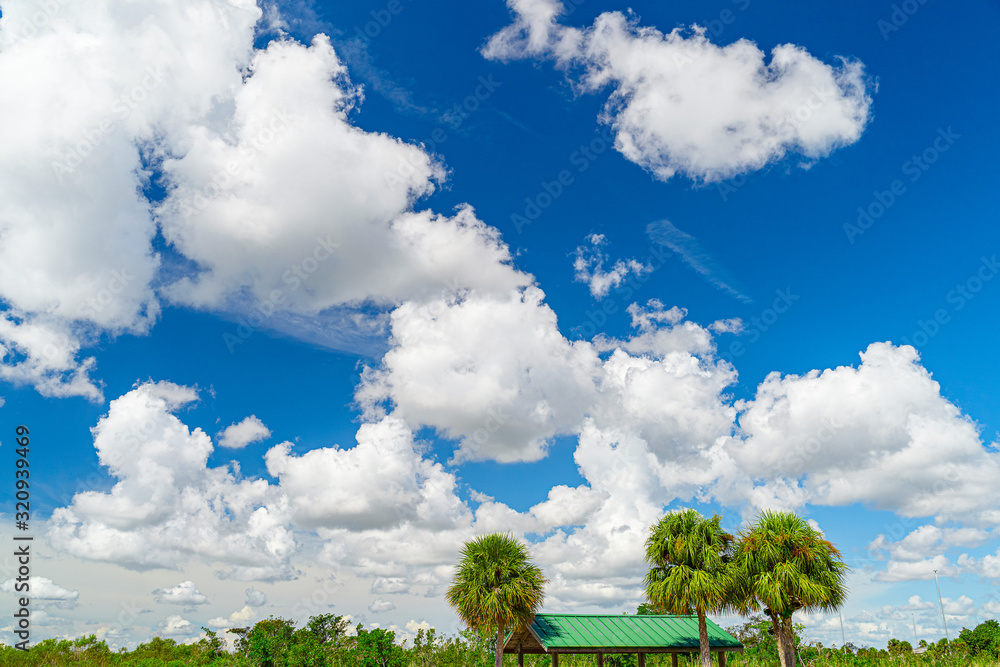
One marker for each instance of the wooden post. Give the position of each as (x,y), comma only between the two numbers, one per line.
(555,660)
(673,660)
(722,659)
(642,660)
(600,660)
(520,654)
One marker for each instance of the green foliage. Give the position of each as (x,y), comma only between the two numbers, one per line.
(377,648)
(311,646)
(781,565)
(983,640)
(268,643)
(898,647)
(496,586)
(687,555)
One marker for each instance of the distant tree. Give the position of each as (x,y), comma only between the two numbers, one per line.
(268,642)
(328,627)
(496,586)
(984,639)
(898,647)
(688,558)
(378,648)
(211,645)
(645,609)
(781,565)
(757,637)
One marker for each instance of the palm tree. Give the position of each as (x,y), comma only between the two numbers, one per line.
(496,586)
(688,556)
(782,564)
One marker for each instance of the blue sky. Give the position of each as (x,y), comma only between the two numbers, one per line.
(453,268)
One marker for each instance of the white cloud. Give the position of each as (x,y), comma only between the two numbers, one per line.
(918,570)
(380,483)
(167,505)
(41,588)
(680,104)
(491,371)
(240,435)
(290,204)
(84,90)
(380,605)
(241,139)
(175,626)
(184,593)
(255,598)
(383,585)
(879,434)
(588,267)
(240,618)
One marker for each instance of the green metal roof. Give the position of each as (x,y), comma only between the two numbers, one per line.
(588,632)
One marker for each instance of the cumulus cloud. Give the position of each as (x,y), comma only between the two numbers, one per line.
(681,104)
(904,447)
(316,209)
(380,605)
(92,87)
(255,598)
(239,618)
(588,266)
(240,435)
(492,371)
(167,505)
(42,588)
(175,626)
(382,585)
(382,482)
(275,201)
(184,593)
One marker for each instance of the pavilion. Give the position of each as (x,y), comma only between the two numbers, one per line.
(557,634)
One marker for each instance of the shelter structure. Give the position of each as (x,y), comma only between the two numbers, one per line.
(601,634)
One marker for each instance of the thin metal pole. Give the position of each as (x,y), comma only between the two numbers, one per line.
(941,602)
(843,638)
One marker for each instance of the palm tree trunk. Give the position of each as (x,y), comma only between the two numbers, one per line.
(776,628)
(706,652)
(498,661)
(786,646)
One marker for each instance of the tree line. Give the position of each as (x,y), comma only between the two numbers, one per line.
(326,641)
